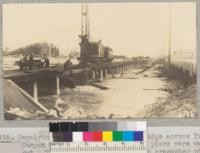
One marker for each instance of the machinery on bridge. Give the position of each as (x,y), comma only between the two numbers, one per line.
(92,52)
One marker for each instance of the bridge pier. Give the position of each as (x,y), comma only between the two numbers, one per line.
(57,85)
(35,91)
(118,69)
(106,72)
(96,74)
(101,75)
(122,68)
(93,75)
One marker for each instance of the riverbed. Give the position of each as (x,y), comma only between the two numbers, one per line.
(127,94)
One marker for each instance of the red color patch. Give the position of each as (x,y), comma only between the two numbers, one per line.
(97,136)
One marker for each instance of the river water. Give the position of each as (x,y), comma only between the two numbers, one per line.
(126,95)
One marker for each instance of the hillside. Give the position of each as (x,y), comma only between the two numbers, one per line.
(37,49)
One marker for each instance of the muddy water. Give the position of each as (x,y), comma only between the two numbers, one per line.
(126,96)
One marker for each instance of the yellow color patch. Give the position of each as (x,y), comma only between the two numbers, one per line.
(107,136)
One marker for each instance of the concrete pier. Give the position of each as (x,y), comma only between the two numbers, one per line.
(35,91)
(106,73)
(57,85)
(93,75)
(101,75)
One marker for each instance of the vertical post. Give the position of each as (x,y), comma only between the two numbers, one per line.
(97,74)
(169,37)
(93,75)
(57,85)
(101,73)
(106,72)
(35,91)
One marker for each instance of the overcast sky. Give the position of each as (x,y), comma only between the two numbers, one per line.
(131,29)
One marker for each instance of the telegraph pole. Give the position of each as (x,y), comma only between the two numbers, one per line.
(169,38)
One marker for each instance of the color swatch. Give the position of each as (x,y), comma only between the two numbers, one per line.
(96,131)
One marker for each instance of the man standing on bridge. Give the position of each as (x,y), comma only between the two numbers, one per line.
(25,62)
(30,62)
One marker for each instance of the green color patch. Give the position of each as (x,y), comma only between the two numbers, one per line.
(117,135)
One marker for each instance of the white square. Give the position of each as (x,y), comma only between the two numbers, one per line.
(141,126)
(77,136)
(131,126)
(122,126)
(51,136)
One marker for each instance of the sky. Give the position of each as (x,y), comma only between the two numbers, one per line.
(131,29)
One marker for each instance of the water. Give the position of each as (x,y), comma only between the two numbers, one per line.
(125,97)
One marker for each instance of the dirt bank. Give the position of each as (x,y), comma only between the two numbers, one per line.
(181,101)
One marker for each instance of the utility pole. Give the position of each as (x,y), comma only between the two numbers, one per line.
(50,50)
(169,38)
(49,44)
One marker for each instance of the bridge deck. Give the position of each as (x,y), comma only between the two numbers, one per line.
(21,75)
(28,73)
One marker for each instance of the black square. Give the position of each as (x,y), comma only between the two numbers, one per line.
(83,126)
(54,127)
(73,127)
(64,126)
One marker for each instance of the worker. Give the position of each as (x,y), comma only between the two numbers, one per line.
(30,62)
(21,63)
(25,62)
(46,61)
(67,64)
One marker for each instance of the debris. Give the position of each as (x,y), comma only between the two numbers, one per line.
(52,113)
(143,70)
(98,86)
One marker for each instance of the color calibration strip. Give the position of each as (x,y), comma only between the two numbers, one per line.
(98,136)
(97,131)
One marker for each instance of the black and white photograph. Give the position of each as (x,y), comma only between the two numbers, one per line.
(99,60)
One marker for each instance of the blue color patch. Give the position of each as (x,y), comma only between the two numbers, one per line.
(128,136)
(138,136)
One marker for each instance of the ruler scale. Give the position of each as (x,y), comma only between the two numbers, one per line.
(110,147)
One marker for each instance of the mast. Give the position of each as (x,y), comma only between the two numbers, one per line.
(84,44)
(84,21)
(88,22)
